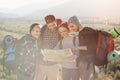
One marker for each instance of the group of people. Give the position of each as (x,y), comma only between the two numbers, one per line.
(56,34)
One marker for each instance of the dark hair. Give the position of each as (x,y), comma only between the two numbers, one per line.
(49,19)
(32,26)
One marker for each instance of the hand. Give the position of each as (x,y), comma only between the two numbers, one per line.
(83,48)
(80,48)
(72,57)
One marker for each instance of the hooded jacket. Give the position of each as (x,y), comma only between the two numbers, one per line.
(27,47)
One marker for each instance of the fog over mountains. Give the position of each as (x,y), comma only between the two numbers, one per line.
(82,8)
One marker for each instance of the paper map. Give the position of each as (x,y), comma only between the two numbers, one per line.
(57,55)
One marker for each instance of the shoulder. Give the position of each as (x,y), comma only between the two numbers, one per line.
(43,27)
(25,38)
(89,28)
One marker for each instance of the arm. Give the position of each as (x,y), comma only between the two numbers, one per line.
(73,57)
(80,48)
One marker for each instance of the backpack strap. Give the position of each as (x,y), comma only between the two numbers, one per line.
(111,44)
(60,44)
(98,42)
(74,41)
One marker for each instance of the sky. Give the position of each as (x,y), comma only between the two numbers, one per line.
(13,4)
(81,7)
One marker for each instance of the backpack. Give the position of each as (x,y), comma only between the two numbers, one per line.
(9,46)
(105,45)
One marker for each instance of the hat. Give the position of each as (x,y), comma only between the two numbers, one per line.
(74,20)
(49,19)
(59,22)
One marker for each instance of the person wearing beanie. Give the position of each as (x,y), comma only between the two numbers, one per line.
(74,24)
(49,39)
(87,37)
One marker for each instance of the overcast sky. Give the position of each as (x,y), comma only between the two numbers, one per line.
(13,4)
(20,3)
(82,7)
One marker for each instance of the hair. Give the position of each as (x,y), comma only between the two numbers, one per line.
(65,25)
(49,19)
(32,26)
(58,22)
(78,27)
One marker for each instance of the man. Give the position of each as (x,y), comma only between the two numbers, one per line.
(49,33)
(87,37)
(49,39)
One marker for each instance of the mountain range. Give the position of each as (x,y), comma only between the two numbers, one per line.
(74,7)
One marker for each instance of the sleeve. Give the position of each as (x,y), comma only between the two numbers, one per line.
(77,52)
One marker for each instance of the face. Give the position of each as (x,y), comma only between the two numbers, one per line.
(51,25)
(73,27)
(63,31)
(36,32)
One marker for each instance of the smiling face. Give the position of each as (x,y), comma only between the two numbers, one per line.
(35,32)
(51,25)
(64,32)
(73,27)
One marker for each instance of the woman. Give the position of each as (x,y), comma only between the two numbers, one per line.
(27,53)
(69,68)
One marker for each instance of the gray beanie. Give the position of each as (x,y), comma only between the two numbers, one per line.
(74,20)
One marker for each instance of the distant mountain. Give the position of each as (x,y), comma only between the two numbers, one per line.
(81,8)
(8,15)
(61,11)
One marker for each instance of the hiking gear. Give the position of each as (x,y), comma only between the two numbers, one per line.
(9,46)
(115,32)
(112,56)
(105,45)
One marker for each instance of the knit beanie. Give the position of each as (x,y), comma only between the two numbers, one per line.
(74,20)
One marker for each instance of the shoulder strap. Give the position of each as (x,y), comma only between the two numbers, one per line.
(74,41)
(98,43)
(60,44)
(111,44)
